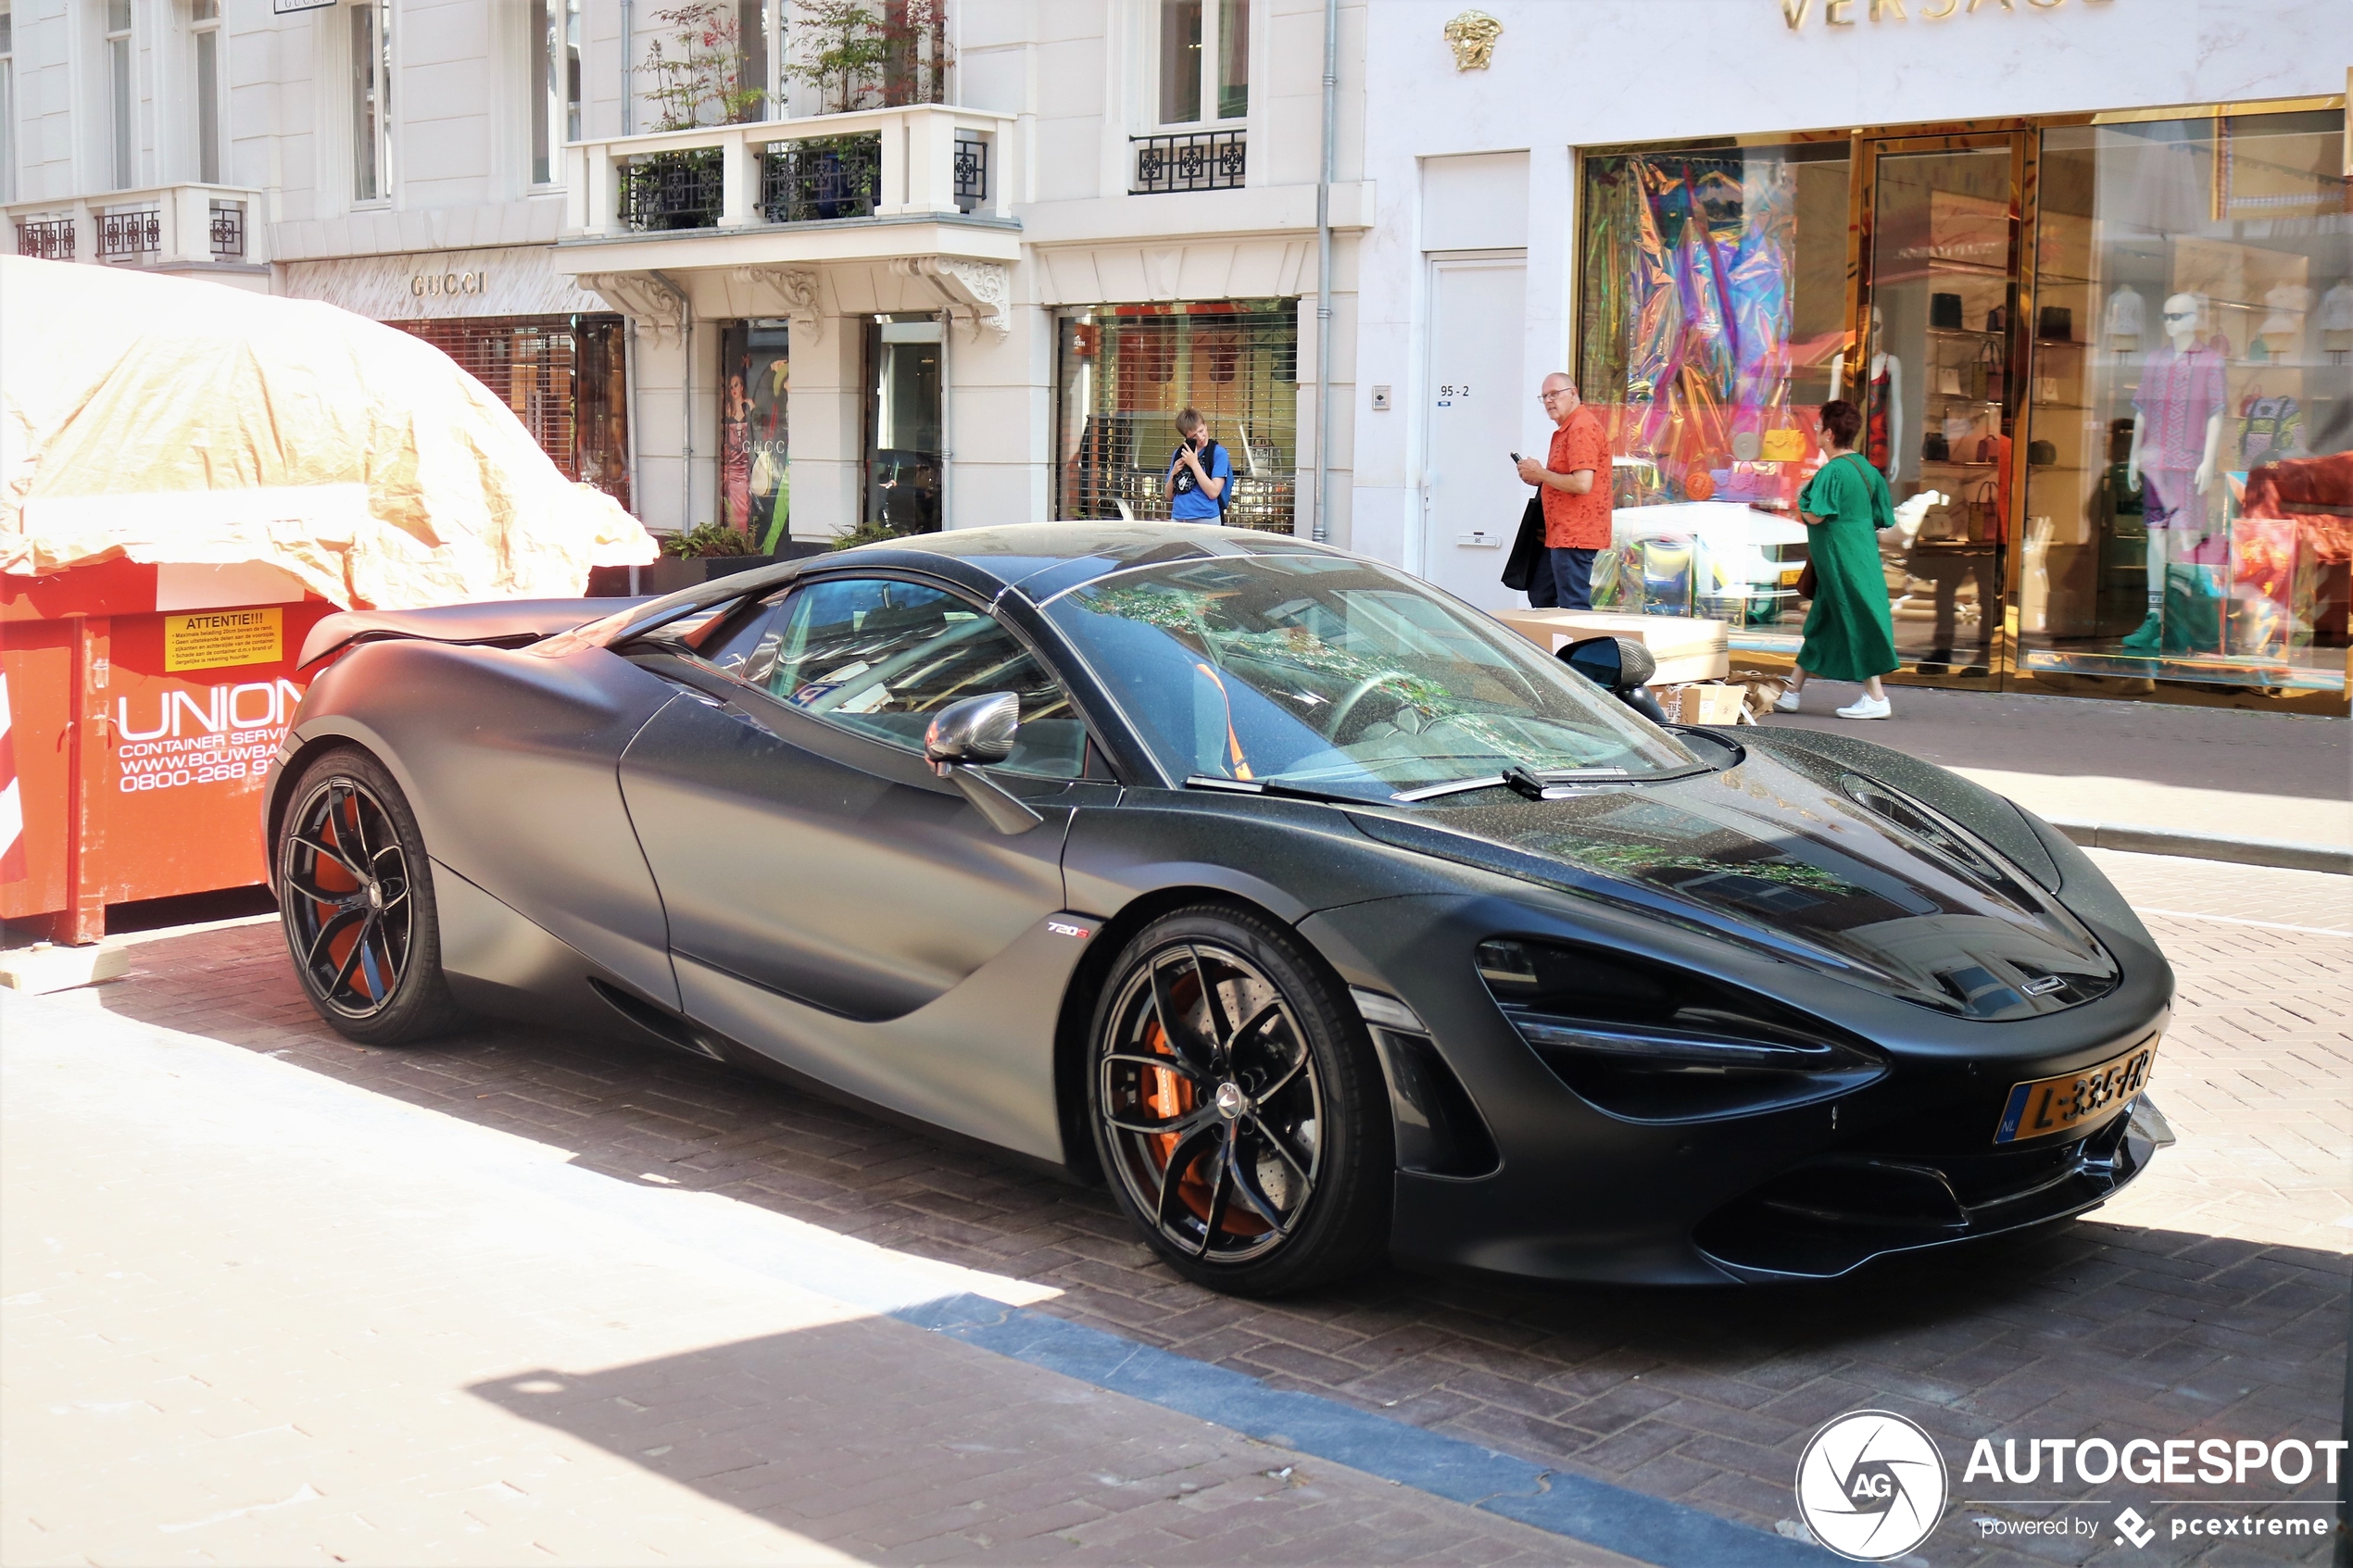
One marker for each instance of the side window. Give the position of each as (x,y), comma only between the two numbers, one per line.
(881,657)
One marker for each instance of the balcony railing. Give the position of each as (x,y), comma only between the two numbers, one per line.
(1190,160)
(820,179)
(680,190)
(172,226)
(971,171)
(924,160)
(49,238)
(228,230)
(128,236)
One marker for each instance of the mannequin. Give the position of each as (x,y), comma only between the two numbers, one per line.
(2177,433)
(2337,320)
(1883,402)
(2124,320)
(2284,306)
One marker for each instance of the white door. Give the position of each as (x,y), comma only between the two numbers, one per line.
(1471,498)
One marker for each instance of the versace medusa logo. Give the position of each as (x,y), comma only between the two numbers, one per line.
(1472,36)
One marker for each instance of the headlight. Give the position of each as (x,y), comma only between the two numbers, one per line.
(1651,1042)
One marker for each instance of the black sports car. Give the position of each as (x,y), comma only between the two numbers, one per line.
(1318,914)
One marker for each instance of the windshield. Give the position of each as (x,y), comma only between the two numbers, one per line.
(1342,676)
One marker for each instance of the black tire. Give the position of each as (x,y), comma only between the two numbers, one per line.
(355,899)
(1260,1161)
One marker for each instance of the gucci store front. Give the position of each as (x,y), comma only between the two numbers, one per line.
(554,354)
(2106,363)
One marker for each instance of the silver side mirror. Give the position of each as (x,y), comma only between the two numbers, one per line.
(974,731)
(964,737)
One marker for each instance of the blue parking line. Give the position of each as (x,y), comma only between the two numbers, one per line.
(1615,1518)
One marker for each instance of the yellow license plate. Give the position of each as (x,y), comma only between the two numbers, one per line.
(2075,1101)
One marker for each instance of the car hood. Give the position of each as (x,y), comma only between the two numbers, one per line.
(1842,873)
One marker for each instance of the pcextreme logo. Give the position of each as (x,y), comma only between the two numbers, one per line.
(1871,1486)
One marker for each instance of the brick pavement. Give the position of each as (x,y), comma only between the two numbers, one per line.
(256,1316)
(2209,1301)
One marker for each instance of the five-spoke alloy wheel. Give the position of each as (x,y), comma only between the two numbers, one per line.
(356,900)
(1237,1106)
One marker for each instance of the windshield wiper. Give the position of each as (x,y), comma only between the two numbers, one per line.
(1275,787)
(1549,783)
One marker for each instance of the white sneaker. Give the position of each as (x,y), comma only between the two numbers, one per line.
(1785,703)
(1867,708)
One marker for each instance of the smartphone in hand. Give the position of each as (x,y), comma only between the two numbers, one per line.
(1518,459)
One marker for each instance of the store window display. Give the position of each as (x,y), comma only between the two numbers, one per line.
(1123,374)
(755,442)
(1942,270)
(1713,322)
(2157,544)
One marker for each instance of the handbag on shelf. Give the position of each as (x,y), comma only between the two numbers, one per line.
(1945,312)
(1934,448)
(2056,322)
(1985,377)
(1985,511)
(1997,320)
(2042,454)
(1942,520)
(1948,381)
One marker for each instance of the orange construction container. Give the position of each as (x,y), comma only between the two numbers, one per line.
(144,713)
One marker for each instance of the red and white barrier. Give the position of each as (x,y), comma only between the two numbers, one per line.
(11,798)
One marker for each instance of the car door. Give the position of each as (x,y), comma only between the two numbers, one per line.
(800,840)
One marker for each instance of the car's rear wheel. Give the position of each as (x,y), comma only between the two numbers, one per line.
(355,897)
(1238,1106)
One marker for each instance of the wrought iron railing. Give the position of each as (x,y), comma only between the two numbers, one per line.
(823,177)
(1191,160)
(228,230)
(680,190)
(49,238)
(124,235)
(972,172)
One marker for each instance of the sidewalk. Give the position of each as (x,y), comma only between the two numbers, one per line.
(2220,773)
(257,1316)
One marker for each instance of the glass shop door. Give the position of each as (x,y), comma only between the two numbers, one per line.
(1936,377)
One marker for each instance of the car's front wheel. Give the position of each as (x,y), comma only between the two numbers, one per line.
(1238,1106)
(355,897)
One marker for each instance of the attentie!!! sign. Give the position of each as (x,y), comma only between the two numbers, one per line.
(216,639)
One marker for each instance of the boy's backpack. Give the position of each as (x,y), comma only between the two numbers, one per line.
(1209,464)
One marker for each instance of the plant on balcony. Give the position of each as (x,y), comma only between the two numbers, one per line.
(859,54)
(697,71)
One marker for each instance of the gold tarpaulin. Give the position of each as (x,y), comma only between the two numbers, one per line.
(138,414)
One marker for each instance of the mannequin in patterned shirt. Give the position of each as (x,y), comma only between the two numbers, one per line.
(2177,436)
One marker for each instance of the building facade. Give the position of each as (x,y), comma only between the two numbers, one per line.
(2085,265)
(971,276)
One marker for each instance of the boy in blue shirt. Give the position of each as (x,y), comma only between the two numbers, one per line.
(1199,474)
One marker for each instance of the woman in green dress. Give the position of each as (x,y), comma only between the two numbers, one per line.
(1850,636)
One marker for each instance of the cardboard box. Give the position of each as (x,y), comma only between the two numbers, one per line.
(1700,703)
(1687,649)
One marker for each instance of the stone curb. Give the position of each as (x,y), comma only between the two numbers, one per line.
(2140,840)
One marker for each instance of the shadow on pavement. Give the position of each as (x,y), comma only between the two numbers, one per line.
(1705,1396)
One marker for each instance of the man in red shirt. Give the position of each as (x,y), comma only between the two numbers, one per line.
(1574,482)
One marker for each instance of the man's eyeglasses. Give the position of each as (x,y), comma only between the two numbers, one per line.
(1548,396)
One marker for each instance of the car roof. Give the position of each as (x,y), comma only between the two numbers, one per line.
(1041,560)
